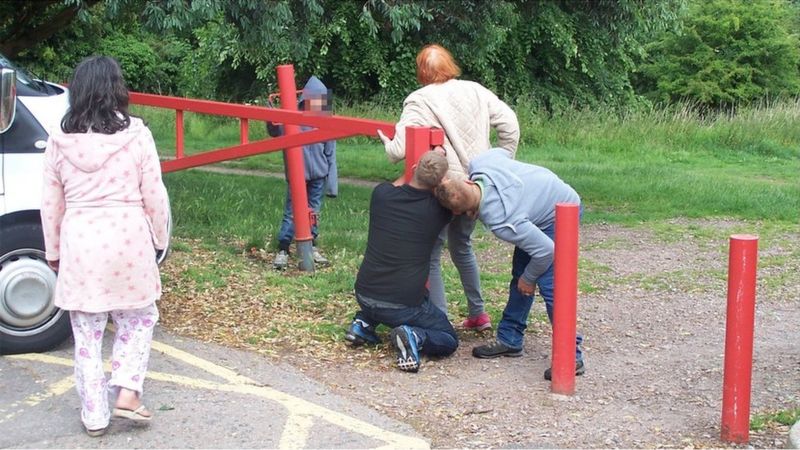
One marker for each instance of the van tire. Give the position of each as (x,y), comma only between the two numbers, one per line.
(22,248)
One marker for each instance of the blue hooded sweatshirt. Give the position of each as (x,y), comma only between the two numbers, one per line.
(518,201)
(319,159)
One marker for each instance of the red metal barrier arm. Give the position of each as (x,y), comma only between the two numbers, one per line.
(253,148)
(364,127)
(354,126)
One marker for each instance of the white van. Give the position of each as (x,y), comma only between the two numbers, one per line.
(29,320)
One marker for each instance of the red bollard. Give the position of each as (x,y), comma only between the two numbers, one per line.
(565,298)
(418,141)
(740,319)
(296,172)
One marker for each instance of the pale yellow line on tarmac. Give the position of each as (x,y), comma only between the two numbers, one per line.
(208,366)
(296,431)
(293,404)
(53,390)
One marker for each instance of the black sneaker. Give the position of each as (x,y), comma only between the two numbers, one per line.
(361,333)
(579,370)
(494,350)
(405,343)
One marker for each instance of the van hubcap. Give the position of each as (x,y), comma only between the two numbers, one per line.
(27,285)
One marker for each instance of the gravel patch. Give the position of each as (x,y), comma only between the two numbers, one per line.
(652,310)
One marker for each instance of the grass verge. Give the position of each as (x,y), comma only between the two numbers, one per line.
(786,417)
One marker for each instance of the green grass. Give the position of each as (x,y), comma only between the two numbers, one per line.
(642,169)
(217,207)
(666,163)
(784,417)
(644,166)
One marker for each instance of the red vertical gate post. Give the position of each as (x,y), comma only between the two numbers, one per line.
(418,141)
(565,298)
(178,134)
(243,131)
(739,324)
(296,172)
(437,137)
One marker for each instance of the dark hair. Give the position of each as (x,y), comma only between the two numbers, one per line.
(98,98)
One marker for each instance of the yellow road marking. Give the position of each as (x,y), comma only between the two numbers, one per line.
(301,412)
(296,431)
(207,366)
(54,390)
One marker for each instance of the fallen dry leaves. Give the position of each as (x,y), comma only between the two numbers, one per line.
(238,301)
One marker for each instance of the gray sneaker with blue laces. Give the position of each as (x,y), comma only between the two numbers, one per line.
(319,258)
(281,261)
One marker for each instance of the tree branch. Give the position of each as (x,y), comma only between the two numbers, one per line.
(25,36)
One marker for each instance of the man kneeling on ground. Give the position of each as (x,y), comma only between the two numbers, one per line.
(404,222)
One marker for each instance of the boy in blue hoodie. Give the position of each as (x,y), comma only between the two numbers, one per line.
(517,202)
(321,174)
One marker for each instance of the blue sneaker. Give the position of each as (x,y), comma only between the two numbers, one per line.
(405,342)
(361,333)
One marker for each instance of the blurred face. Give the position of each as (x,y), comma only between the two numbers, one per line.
(318,104)
(458,196)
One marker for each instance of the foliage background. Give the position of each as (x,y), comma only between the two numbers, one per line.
(729,53)
(550,55)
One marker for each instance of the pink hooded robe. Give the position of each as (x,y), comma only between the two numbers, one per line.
(104,210)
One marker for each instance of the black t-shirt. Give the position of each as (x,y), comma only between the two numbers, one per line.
(403,225)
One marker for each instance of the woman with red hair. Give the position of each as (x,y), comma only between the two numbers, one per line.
(467,112)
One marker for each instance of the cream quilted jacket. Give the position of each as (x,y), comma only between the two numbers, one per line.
(466,111)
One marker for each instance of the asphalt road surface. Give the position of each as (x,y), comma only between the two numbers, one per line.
(203,396)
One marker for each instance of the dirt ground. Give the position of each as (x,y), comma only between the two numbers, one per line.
(652,310)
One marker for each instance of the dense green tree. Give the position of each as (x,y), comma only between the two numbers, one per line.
(556,52)
(25,24)
(729,52)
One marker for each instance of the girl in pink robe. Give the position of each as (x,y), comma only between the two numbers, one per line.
(105,211)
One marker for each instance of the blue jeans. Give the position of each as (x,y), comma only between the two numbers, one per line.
(315,190)
(437,337)
(458,232)
(512,326)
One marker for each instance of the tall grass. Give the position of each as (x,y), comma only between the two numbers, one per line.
(217,207)
(641,165)
(638,166)
(663,163)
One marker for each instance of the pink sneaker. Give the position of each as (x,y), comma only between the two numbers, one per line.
(478,323)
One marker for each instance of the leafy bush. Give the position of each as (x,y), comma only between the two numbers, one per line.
(730,52)
(150,63)
(137,59)
(556,53)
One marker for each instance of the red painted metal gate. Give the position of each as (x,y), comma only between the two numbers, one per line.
(326,127)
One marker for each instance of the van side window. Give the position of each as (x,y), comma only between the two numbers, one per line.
(23,134)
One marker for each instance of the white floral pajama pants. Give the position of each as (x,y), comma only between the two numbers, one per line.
(129,359)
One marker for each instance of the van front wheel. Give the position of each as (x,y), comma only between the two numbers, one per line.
(29,320)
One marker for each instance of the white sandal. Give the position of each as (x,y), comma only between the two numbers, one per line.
(96,433)
(134,415)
